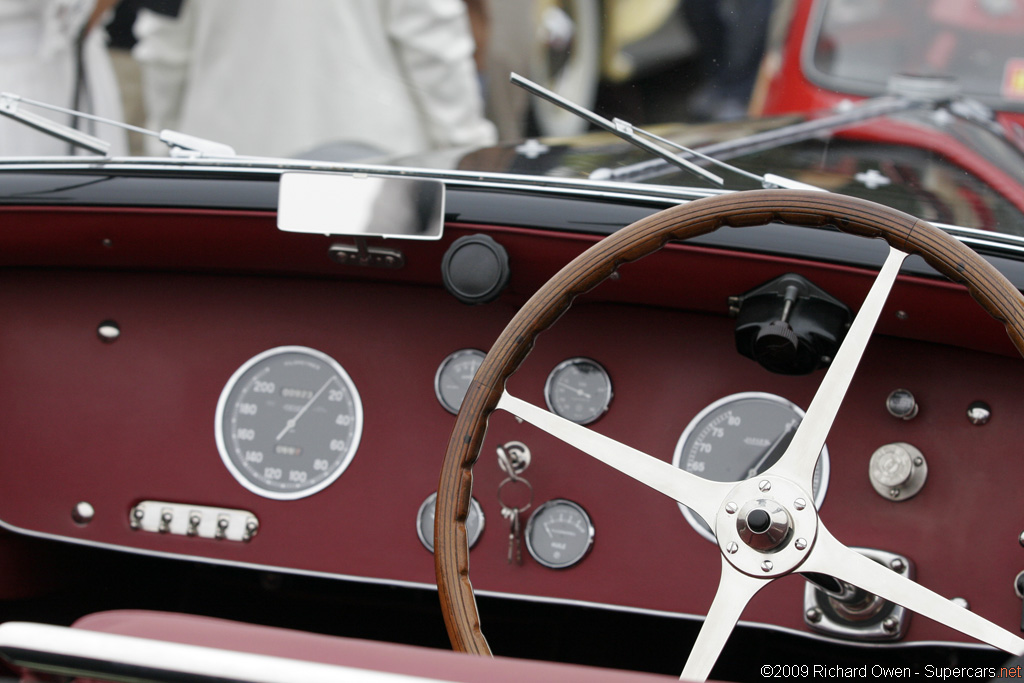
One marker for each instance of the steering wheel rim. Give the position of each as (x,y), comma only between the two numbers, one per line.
(904,234)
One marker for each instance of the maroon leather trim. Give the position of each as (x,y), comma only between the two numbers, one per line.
(363,654)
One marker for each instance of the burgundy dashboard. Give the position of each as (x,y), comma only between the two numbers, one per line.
(97,422)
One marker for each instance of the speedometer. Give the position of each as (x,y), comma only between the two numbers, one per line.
(738,437)
(288,422)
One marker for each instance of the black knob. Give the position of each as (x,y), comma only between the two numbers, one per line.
(759,521)
(776,346)
(475,269)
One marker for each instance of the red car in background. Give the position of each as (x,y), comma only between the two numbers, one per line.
(824,52)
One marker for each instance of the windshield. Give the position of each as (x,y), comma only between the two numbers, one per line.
(795,90)
(857,45)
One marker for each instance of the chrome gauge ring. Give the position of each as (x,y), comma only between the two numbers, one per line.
(288,422)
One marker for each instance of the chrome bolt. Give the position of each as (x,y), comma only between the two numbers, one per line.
(960,602)
(813,615)
(108,331)
(897,565)
(1020,539)
(764,485)
(83,513)
(799,503)
(918,462)
(731,507)
(894,493)
(766,566)
(800,544)
(901,315)
(732,548)
(890,624)
(165,521)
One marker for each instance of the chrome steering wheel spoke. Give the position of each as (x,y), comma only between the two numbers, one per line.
(831,557)
(701,495)
(735,589)
(798,462)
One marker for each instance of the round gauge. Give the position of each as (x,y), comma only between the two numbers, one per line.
(559,534)
(425,522)
(578,389)
(736,438)
(451,382)
(288,422)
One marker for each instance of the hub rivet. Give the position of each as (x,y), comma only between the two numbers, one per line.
(890,624)
(764,485)
(731,507)
(799,503)
(800,544)
(766,566)
(813,615)
(897,565)
(732,548)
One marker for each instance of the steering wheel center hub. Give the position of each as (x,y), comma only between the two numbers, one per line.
(766,526)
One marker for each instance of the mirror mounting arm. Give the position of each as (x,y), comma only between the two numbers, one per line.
(361,254)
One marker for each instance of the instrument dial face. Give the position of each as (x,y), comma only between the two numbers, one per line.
(559,534)
(578,389)
(288,422)
(451,382)
(425,522)
(738,437)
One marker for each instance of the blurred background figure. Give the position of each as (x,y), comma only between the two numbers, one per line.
(342,79)
(732,36)
(50,51)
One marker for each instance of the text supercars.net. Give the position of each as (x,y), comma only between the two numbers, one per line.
(879,671)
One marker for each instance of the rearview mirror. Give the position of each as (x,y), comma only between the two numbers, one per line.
(362,206)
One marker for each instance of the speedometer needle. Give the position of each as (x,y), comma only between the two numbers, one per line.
(777,445)
(578,392)
(302,411)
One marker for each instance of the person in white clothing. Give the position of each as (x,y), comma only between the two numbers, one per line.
(274,78)
(52,51)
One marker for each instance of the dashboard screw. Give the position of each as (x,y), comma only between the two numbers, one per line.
(897,565)
(764,485)
(813,615)
(800,544)
(799,503)
(732,548)
(890,624)
(766,566)
(731,507)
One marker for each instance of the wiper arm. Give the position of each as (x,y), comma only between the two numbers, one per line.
(9,108)
(180,144)
(623,129)
(645,140)
(777,137)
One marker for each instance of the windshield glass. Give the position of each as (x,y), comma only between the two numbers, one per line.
(798,89)
(859,44)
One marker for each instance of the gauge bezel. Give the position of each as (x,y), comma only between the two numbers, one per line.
(677,455)
(474,506)
(222,405)
(445,364)
(527,533)
(549,387)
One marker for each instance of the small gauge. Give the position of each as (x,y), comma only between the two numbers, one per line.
(736,438)
(578,389)
(425,522)
(451,382)
(288,422)
(559,534)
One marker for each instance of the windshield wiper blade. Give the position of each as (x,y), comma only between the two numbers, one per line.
(773,138)
(180,144)
(623,129)
(9,108)
(645,140)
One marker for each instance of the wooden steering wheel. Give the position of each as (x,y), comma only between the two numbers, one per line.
(754,550)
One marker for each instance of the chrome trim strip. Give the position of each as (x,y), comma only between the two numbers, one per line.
(79,652)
